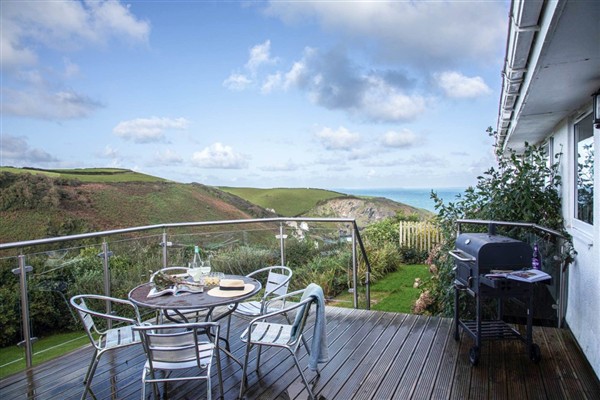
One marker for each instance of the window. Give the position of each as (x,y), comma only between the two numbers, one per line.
(584,170)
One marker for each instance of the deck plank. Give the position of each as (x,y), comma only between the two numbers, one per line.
(373,355)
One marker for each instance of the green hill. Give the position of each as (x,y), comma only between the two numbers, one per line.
(287,202)
(97,175)
(38,203)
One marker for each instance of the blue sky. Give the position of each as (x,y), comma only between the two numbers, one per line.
(327,94)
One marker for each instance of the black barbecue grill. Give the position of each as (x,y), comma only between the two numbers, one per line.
(477,255)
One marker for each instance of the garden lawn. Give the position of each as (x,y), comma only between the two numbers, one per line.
(394,292)
(12,358)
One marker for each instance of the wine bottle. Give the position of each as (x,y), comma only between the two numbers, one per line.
(536,260)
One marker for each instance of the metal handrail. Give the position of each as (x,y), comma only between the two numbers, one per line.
(27,343)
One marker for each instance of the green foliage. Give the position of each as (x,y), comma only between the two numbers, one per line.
(410,255)
(380,235)
(299,252)
(381,232)
(383,258)
(244,259)
(329,272)
(522,188)
(86,174)
(28,192)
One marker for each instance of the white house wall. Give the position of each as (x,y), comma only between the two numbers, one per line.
(583,303)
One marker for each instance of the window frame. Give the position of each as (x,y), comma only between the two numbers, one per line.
(580,224)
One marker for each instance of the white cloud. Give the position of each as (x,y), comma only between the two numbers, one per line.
(71,69)
(411,32)
(15,150)
(64,25)
(403,139)
(148,130)
(237,82)
(340,139)
(454,84)
(271,83)
(44,104)
(167,157)
(31,27)
(386,103)
(288,165)
(260,55)
(334,82)
(110,152)
(218,155)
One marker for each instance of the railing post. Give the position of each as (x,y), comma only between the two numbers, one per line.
(281,237)
(28,342)
(562,291)
(106,268)
(355,270)
(164,248)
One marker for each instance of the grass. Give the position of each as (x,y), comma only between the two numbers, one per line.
(12,359)
(287,202)
(90,175)
(393,293)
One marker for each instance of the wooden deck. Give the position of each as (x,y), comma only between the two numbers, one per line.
(373,355)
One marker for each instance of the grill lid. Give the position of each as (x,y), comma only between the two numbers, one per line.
(494,251)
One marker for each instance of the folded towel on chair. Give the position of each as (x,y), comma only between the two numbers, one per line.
(319,352)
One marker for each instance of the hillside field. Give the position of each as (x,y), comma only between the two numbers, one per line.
(287,202)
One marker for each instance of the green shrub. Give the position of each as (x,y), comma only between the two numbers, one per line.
(383,258)
(244,259)
(299,252)
(522,188)
(410,255)
(330,272)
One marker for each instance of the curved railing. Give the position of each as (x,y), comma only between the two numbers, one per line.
(24,248)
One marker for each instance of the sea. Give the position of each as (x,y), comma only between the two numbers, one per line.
(420,198)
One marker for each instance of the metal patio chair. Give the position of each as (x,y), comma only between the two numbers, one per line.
(262,332)
(96,322)
(277,282)
(175,347)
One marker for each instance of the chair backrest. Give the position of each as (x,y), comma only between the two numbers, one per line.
(178,343)
(84,314)
(278,280)
(90,316)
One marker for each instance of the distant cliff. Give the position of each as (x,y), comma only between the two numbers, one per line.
(364,210)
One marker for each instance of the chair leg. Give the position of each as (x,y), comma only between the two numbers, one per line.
(219,373)
(245,370)
(258,351)
(90,374)
(208,386)
(228,326)
(310,393)
(93,360)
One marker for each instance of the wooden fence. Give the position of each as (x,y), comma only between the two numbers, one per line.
(419,235)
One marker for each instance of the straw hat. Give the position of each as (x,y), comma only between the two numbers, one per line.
(231,288)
